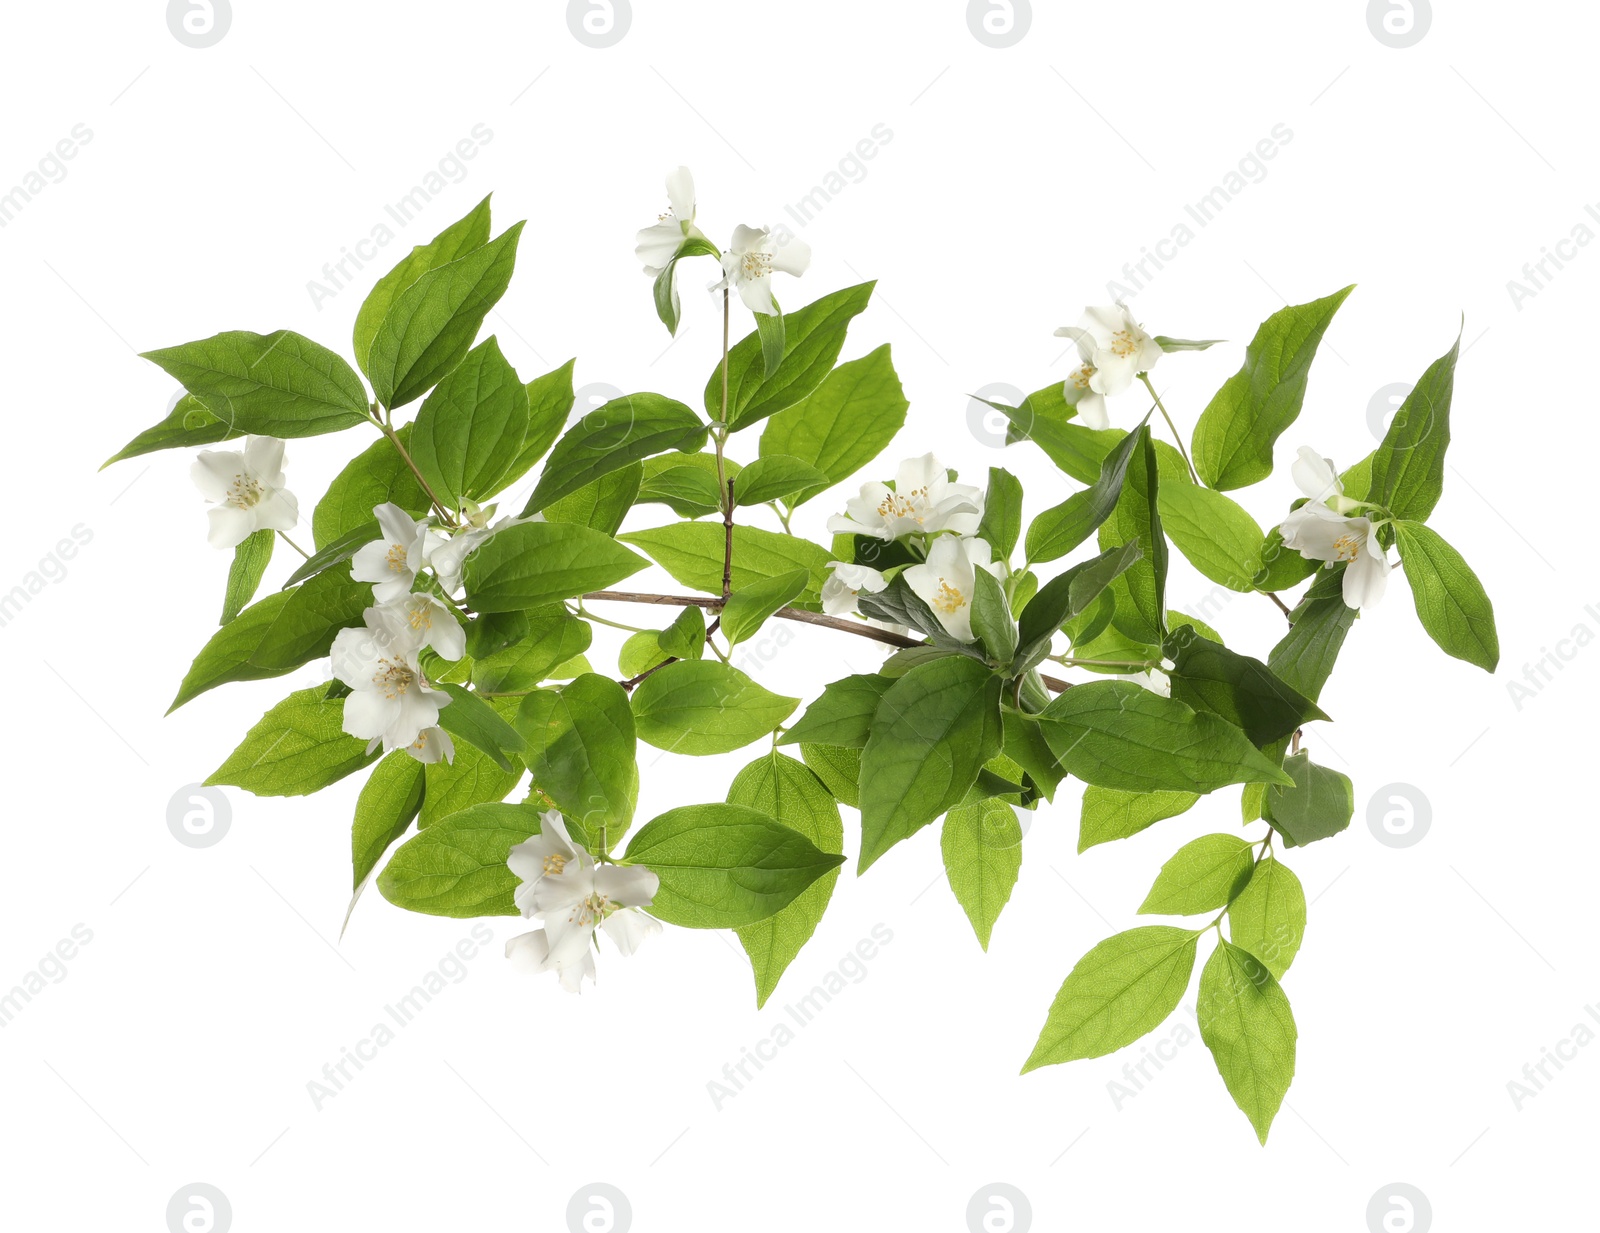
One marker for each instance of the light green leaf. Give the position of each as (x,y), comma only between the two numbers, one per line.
(749,606)
(685,483)
(838,768)
(476,722)
(1169,345)
(1141,590)
(431,325)
(536,563)
(296,748)
(457,866)
(982,848)
(1303,659)
(776,477)
(472,779)
(725,866)
(845,423)
(387,806)
(1408,467)
(550,400)
(934,729)
(991,618)
(692,553)
(1268,918)
(1065,597)
(601,504)
(685,638)
(786,790)
(455,241)
(272,385)
(582,753)
(376,476)
(1219,536)
(813,336)
(699,707)
(553,636)
(250,561)
(1120,990)
(189,424)
(622,432)
(1001,525)
(471,427)
(1247,1024)
(842,715)
(1116,734)
(1234,436)
(1112,814)
(1201,876)
(1451,603)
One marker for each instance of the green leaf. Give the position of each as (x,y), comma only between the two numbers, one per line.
(685,638)
(250,561)
(838,768)
(776,477)
(1116,734)
(550,400)
(471,427)
(582,753)
(991,618)
(1201,876)
(1268,917)
(1281,568)
(387,806)
(1111,814)
(1065,597)
(1024,743)
(601,504)
(641,652)
(455,241)
(376,476)
(934,729)
(336,553)
(1140,590)
(1218,535)
(457,866)
(982,848)
(813,336)
(1408,467)
(536,563)
(842,715)
(1451,603)
(277,634)
(621,432)
(749,607)
(431,325)
(700,707)
(1304,657)
(1169,345)
(296,748)
(1120,990)
(1242,690)
(188,424)
(686,484)
(1246,1022)
(552,637)
(1001,524)
(472,779)
(1062,528)
(1319,803)
(272,385)
(476,722)
(725,866)
(769,326)
(899,604)
(845,423)
(1234,436)
(692,553)
(781,788)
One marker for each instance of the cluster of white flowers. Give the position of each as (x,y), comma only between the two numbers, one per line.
(1327,528)
(561,885)
(1113,350)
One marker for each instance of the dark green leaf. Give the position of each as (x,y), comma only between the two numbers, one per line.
(471,427)
(476,722)
(1451,603)
(1320,802)
(1065,597)
(843,714)
(1242,690)
(1059,530)
(1001,524)
(250,561)
(581,750)
(991,618)
(189,424)
(376,476)
(1408,467)
(622,432)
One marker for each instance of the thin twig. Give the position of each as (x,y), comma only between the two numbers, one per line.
(727,541)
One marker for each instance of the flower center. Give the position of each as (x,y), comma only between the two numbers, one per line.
(421,618)
(756,265)
(394,677)
(1079,377)
(592,909)
(245,491)
(1123,344)
(1347,547)
(554,863)
(947,599)
(397,559)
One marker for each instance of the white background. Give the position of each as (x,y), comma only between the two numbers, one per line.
(178,1046)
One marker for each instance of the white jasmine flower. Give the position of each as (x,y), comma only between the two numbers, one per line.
(1079,393)
(922,502)
(946,581)
(248,488)
(845,582)
(1318,478)
(432,745)
(1156,681)
(1319,534)
(749,264)
(420,620)
(391,562)
(390,701)
(658,243)
(1114,346)
(561,884)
